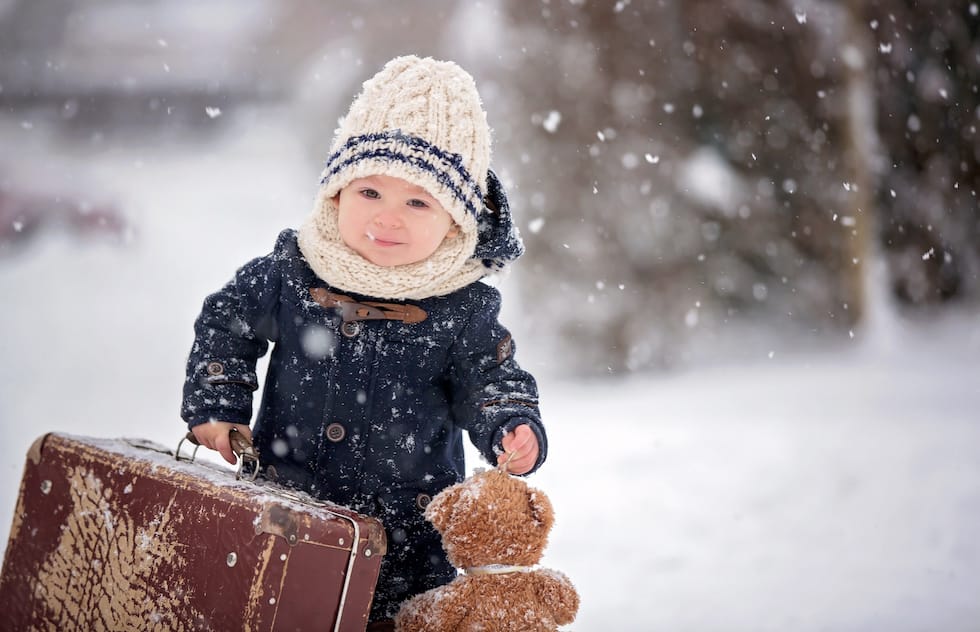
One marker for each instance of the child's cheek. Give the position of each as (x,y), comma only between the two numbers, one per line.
(427,225)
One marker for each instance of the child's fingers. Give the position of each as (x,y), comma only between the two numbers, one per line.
(244,430)
(202,435)
(518,463)
(222,443)
(520,450)
(215,436)
(525,463)
(518,439)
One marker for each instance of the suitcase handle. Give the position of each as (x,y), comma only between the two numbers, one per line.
(240,445)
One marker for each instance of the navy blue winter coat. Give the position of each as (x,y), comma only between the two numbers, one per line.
(365,413)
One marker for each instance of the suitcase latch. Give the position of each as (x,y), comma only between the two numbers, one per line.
(279,521)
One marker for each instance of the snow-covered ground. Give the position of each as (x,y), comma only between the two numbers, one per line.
(837,490)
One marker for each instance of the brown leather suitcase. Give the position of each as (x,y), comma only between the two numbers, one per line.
(119,535)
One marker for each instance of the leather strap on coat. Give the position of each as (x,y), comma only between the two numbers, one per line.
(351,310)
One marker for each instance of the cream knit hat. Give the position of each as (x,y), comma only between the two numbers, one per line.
(420,120)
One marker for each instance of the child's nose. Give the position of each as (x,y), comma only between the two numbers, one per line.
(388,217)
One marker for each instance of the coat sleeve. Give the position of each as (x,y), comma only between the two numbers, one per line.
(231,333)
(491,393)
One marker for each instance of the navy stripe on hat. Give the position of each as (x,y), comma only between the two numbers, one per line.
(424,155)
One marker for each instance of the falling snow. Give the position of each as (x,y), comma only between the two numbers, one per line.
(552,121)
(673,238)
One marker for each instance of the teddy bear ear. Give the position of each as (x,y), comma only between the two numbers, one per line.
(541,509)
(440,510)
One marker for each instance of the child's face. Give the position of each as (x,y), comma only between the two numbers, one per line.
(391,222)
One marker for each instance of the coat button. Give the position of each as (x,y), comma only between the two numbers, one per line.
(215,368)
(336,432)
(423,500)
(350,328)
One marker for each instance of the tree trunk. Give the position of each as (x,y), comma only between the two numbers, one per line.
(861,138)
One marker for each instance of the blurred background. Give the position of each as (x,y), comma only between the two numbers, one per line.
(750,294)
(684,172)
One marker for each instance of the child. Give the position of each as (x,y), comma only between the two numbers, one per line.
(385,345)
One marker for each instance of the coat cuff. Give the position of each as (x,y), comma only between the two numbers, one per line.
(219,390)
(217,371)
(230,416)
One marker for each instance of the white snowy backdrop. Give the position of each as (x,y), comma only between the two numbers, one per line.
(836,489)
(804,483)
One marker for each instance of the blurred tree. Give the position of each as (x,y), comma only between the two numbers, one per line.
(926,79)
(607,246)
(692,180)
(784,100)
(695,167)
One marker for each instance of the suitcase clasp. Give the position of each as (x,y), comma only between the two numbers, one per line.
(277,520)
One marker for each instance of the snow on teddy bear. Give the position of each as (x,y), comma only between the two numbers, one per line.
(495,529)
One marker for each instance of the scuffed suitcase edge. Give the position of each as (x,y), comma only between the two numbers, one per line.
(33,458)
(34,452)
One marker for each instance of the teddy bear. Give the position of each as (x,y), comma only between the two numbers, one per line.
(494,528)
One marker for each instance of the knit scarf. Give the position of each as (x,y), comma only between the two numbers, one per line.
(448,269)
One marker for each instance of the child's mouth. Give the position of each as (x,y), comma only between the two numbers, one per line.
(381,242)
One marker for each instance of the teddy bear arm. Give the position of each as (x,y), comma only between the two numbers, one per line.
(558,594)
(438,610)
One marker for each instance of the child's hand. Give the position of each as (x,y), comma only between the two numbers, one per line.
(521,447)
(214,435)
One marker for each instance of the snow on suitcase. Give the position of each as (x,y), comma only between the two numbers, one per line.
(118,535)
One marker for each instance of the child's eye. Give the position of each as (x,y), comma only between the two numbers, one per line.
(370,194)
(414,203)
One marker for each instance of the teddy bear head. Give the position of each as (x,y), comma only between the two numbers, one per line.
(492,518)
